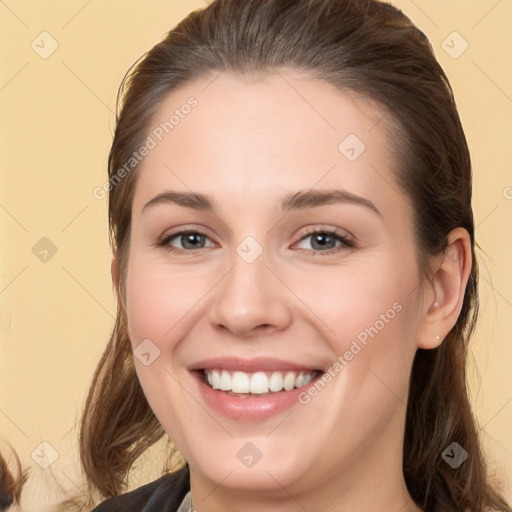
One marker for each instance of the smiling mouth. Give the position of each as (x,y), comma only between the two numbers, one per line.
(238,383)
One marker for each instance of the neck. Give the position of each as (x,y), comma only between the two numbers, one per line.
(373,481)
(371,499)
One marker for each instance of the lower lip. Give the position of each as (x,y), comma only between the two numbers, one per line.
(253,407)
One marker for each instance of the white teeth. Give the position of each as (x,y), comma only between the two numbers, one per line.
(275,382)
(289,381)
(240,382)
(257,383)
(225,381)
(215,382)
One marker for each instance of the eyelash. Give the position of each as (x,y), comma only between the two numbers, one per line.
(345,241)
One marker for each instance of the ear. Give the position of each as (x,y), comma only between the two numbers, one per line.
(446,291)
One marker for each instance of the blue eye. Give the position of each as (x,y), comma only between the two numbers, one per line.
(325,240)
(322,240)
(190,240)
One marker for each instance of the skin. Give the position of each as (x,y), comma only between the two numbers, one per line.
(247,144)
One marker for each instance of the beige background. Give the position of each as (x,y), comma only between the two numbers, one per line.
(56,128)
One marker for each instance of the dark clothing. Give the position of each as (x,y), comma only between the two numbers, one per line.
(162,495)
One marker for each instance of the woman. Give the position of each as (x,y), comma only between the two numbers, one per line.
(290,212)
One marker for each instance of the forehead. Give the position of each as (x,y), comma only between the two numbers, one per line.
(263,134)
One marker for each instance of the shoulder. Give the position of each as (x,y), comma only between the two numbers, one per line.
(164,494)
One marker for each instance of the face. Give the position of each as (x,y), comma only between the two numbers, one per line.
(274,317)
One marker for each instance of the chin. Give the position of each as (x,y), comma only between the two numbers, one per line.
(253,463)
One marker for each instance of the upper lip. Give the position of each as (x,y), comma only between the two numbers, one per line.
(249,365)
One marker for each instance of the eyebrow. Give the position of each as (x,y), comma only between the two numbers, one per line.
(296,201)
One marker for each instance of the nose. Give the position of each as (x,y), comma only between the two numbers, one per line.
(251,299)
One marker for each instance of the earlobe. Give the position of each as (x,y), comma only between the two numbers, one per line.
(448,285)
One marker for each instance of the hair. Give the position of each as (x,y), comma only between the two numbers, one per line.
(11,485)
(367,47)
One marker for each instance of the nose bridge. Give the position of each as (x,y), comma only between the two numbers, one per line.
(250,295)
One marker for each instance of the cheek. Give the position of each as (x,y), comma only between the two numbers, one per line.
(161,304)
(148,304)
(158,300)
(361,301)
(372,318)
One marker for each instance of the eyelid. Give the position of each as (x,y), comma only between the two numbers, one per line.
(308,230)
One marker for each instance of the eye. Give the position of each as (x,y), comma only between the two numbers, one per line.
(325,240)
(190,241)
(322,240)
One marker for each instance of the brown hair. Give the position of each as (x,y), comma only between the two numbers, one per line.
(373,49)
(11,484)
